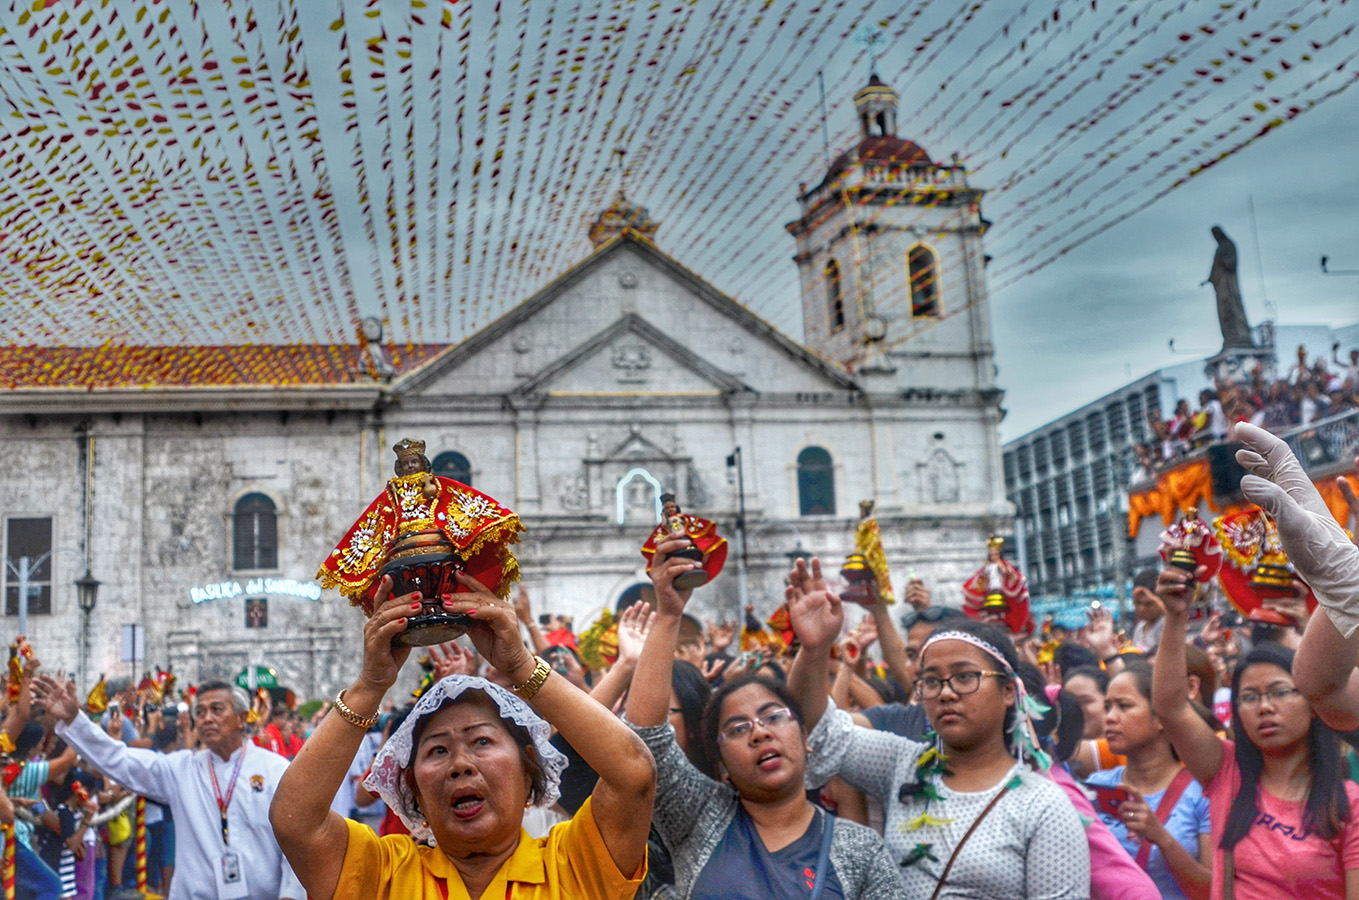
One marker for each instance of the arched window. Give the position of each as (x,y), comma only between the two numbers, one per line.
(453,465)
(835,296)
(923,270)
(254,533)
(815,483)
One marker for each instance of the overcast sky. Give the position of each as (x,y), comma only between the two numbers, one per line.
(1079,328)
(354,158)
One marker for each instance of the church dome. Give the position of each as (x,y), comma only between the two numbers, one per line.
(884,150)
(876,105)
(621,216)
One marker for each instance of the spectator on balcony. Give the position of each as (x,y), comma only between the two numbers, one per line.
(1278,411)
(1214,418)
(1181,427)
(1144,467)
(1350,373)
(1160,428)
(1299,372)
(1314,404)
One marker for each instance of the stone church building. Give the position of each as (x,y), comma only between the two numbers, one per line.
(197,487)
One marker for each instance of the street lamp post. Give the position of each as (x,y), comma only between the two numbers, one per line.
(734,464)
(87,591)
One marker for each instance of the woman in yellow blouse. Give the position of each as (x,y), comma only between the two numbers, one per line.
(460,772)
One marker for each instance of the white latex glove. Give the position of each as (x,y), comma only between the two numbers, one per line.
(1315,543)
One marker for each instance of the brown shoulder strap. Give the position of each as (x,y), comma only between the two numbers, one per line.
(954,856)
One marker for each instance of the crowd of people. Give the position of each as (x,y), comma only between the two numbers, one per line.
(1306,393)
(907,751)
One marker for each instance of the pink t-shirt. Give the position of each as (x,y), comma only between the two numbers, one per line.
(1277,858)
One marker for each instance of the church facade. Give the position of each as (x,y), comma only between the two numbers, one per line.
(204,497)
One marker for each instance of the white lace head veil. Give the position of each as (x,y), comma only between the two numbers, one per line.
(387,778)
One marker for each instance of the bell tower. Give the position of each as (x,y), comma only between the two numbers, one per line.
(889,252)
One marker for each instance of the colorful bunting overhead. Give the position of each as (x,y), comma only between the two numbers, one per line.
(266,172)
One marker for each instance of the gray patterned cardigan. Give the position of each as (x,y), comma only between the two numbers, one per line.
(693,813)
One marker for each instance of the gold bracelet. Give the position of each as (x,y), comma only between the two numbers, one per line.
(529,688)
(352,717)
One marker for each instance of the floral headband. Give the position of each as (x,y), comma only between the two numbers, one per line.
(1027,708)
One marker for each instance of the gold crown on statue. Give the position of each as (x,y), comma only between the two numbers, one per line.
(995,542)
(409,447)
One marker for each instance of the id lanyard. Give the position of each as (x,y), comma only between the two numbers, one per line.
(217,791)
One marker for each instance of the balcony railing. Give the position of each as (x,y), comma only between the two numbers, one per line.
(1326,445)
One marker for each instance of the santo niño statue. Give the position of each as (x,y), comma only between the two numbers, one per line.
(421,530)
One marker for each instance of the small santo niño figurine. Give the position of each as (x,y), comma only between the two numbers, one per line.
(706,546)
(421,530)
(865,570)
(998,592)
(1255,572)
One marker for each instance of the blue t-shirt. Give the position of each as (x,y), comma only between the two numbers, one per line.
(742,869)
(906,720)
(1187,821)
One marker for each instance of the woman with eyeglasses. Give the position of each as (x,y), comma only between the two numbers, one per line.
(754,834)
(1282,811)
(967,815)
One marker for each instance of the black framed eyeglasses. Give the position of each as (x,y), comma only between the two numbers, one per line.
(930,615)
(961,683)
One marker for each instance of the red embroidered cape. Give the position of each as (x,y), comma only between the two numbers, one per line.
(705,537)
(480,528)
(1013,587)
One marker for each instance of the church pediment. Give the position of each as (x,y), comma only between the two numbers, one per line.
(631,357)
(636,448)
(713,341)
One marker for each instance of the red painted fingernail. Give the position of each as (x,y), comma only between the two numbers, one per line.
(401,621)
(415,606)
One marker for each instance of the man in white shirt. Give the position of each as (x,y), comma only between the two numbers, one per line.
(219,796)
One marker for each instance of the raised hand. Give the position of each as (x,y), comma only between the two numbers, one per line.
(633,626)
(494,629)
(1316,545)
(58,697)
(1212,631)
(1293,605)
(1346,486)
(451,659)
(1177,589)
(917,595)
(815,610)
(867,632)
(1099,634)
(714,668)
(664,570)
(523,606)
(381,661)
(721,634)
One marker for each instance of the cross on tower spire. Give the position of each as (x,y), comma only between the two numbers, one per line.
(871,38)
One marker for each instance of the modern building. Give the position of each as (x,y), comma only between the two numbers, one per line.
(1069,479)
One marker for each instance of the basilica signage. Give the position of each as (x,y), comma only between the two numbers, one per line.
(225,590)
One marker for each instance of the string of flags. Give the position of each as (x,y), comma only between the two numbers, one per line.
(200,174)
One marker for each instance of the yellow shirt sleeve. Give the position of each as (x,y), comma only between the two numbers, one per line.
(578,862)
(572,861)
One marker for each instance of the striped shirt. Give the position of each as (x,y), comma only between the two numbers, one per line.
(28,786)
